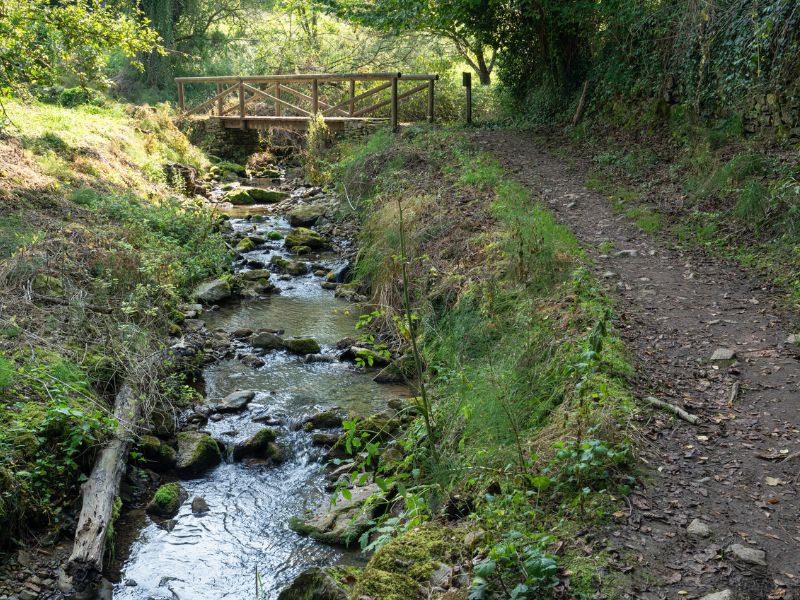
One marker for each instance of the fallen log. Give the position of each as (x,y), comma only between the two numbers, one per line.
(675,410)
(82,571)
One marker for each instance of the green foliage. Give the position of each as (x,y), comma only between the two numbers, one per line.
(518,566)
(43,41)
(49,427)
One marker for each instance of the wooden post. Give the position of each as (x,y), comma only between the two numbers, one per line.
(181,101)
(394,104)
(430,101)
(219,100)
(277,99)
(241,103)
(314,97)
(352,96)
(466,80)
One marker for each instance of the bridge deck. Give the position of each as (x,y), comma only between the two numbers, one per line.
(288,122)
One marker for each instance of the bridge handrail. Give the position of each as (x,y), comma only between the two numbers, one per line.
(240,84)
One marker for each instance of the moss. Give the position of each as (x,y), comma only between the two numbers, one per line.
(160,455)
(260,445)
(416,552)
(303,236)
(239,197)
(375,583)
(275,235)
(302,345)
(197,452)
(116,509)
(266,196)
(167,500)
(246,245)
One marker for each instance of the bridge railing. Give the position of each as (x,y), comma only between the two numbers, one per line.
(288,98)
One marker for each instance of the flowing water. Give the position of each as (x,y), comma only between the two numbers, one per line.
(244,537)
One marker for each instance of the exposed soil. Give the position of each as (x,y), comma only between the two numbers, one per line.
(737,470)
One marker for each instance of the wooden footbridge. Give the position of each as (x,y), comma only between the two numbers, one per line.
(293,101)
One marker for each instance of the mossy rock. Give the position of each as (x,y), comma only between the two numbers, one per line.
(239,197)
(398,371)
(301,250)
(291,267)
(245,245)
(302,236)
(302,345)
(263,196)
(340,524)
(259,445)
(314,584)
(167,500)
(417,552)
(213,291)
(255,275)
(324,420)
(160,456)
(267,173)
(275,235)
(375,583)
(305,216)
(197,452)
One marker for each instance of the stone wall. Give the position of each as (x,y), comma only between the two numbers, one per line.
(229,144)
(773,114)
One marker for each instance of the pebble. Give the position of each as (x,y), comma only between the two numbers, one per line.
(723,354)
(723,595)
(749,555)
(629,253)
(698,528)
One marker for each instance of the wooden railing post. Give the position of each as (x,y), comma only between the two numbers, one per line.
(394,104)
(352,97)
(314,97)
(277,98)
(219,100)
(241,102)
(466,80)
(430,100)
(181,100)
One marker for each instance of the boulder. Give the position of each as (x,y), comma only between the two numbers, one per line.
(326,440)
(245,245)
(167,500)
(313,584)
(323,420)
(260,445)
(213,291)
(292,267)
(398,371)
(239,197)
(234,402)
(369,356)
(255,275)
(304,216)
(263,196)
(340,524)
(300,345)
(306,237)
(197,452)
(266,340)
(160,456)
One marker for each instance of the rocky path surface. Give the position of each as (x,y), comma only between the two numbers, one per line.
(718,513)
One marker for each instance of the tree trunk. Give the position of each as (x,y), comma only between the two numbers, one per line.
(483,71)
(83,569)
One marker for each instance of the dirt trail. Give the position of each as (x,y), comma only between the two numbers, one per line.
(737,471)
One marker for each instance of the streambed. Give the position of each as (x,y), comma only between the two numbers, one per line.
(244,538)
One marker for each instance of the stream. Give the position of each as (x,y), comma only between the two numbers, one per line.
(244,538)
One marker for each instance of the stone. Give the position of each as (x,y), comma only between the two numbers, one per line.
(723,595)
(253,361)
(266,340)
(341,523)
(474,538)
(245,245)
(292,267)
(698,528)
(255,275)
(265,196)
(239,197)
(723,354)
(627,253)
(213,291)
(197,452)
(259,445)
(304,216)
(793,339)
(302,236)
(313,584)
(398,371)
(200,506)
(324,420)
(241,333)
(326,440)
(369,356)
(160,456)
(749,555)
(234,402)
(167,500)
(300,345)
